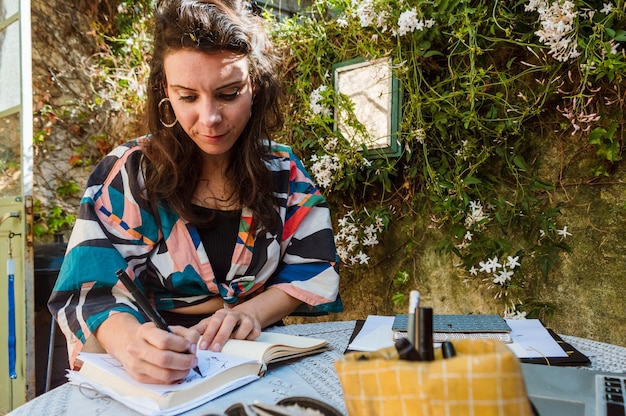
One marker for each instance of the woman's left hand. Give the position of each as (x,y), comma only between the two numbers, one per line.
(246,319)
(225,324)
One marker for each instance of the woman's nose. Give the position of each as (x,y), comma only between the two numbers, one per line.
(211,113)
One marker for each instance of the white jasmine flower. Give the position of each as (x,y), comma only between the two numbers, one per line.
(474,205)
(407,22)
(494,263)
(364,11)
(370,241)
(473,271)
(370,230)
(353,235)
(420,135)
(381,22)
(489,266)
(315,104)
(485,266)
(463,245)
(513,313)
(563,233)
(324,168)
(512,262)
(476,214)
(329,143)
(502,277)
(362,258)
(608,8)
(380,223)
(557,27)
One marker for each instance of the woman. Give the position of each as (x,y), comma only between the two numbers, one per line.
(222,229)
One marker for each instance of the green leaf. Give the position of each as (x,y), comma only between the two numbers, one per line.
(433,53)
(520,163)
(596,135)
(599,171)
(620,36)
(609,151)
(470,180)
(539,185)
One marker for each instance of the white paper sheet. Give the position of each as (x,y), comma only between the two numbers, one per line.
(375,334)
(532,340)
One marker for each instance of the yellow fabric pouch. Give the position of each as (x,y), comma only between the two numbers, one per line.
(483,379)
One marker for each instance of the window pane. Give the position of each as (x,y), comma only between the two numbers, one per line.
(8,8)
(10,66)
(10,156)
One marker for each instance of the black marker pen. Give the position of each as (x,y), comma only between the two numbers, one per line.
(447,349)
(406,351)
(425,334)
(145,306)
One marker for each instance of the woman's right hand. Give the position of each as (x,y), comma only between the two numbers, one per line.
(149,354)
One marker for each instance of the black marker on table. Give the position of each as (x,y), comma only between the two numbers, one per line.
(447,349)
(145,306)
(406,351)
(424,340)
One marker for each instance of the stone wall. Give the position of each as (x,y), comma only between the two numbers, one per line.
(587,288)
(71,132)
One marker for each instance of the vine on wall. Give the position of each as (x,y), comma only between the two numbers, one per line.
(88,97)
(480,80)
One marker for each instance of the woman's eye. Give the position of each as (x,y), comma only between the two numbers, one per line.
(230,95)
(187,98)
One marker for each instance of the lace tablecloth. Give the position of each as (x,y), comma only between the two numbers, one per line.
(603,356)
(317,372)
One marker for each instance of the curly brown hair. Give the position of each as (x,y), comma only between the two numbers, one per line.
(173,164)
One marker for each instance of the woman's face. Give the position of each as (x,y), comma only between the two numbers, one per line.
(211,95)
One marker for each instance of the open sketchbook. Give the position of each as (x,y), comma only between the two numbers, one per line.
(239,363)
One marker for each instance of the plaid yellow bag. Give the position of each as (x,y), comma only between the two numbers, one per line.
(483,379)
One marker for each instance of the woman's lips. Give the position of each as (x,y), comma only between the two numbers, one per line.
(212,137)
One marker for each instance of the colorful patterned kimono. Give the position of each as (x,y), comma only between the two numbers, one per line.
(117,229)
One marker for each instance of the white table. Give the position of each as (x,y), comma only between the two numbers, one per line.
(312,376)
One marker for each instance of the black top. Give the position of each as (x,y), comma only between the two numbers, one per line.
(219,239)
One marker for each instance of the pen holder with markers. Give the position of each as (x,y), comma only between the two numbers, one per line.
(483,378)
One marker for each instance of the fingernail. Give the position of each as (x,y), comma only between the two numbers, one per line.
(216,347)
(192,349)
(204,345)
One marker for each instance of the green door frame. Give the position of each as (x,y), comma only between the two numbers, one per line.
(16,216)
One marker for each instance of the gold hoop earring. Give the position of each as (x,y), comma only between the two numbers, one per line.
(171,110)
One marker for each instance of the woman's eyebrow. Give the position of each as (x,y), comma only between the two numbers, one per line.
(181,87)
(232,84)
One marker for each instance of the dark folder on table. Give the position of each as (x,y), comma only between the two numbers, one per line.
(574,357)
